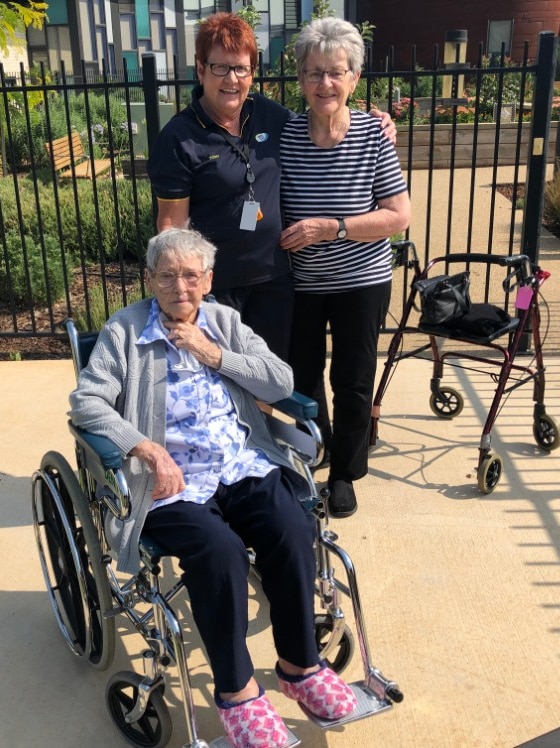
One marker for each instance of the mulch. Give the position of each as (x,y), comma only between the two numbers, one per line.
(507,191)
(35,338)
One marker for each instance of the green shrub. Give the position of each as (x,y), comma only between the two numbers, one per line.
(88,227)
(27,275)
(99,309)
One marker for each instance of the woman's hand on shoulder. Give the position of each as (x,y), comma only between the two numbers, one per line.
(306,232)
(387,125)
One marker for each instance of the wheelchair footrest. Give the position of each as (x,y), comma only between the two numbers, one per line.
(225,743)
(368,705)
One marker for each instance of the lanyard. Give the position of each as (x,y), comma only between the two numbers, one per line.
(244,154)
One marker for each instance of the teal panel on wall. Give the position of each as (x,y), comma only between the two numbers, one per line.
(57,12)
(142,19)
(131,61)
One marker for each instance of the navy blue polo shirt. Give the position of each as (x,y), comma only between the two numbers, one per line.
(191,158)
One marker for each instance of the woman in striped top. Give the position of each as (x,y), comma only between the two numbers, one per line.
(343,195)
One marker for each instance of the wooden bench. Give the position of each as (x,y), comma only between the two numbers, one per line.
(63,151)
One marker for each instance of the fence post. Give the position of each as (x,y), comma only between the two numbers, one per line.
(151,104)
(538,145)
(151,96)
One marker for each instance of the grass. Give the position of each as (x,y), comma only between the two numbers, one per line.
(98,314)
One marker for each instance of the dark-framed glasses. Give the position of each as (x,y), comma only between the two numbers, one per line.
(165,279)
(316,76)
(220,69)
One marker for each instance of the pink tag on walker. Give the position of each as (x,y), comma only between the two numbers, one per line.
(524,297)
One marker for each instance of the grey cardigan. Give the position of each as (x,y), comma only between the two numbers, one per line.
(121,394)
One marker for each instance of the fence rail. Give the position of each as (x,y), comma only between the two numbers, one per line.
(75,247)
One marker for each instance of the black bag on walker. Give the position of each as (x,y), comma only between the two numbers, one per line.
(443,298)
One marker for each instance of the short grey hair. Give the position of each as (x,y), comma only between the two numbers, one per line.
(327,35)
(184,242)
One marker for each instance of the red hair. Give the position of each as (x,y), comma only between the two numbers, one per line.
(228,31)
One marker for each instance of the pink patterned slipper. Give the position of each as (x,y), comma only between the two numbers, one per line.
(322,693)
(253,723)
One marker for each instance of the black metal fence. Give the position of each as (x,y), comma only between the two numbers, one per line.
(73,246)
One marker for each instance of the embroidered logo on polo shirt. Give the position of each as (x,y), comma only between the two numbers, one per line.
(261,137)
(213,156)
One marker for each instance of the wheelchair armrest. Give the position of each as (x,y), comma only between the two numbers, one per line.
(103,461)
(101,446)
(297,406)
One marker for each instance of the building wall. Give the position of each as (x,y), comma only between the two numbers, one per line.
(112,30)
(425,22)
(17,54)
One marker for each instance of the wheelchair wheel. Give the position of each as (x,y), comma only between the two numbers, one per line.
(70,555)
(340,658)
(489,473)
(448,403)
(545,432)
(153,729)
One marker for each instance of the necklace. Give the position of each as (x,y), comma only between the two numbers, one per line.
(327,139)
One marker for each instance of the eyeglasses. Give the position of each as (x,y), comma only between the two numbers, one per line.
(220,69)
(166,280)
(316,76)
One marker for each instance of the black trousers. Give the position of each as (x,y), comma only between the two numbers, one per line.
(355,318)
(267,308)
(211,542)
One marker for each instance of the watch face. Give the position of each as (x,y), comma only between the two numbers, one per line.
(341,229)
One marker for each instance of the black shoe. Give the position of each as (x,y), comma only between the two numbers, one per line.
(342,499)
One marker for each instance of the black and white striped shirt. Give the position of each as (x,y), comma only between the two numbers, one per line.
(342,181)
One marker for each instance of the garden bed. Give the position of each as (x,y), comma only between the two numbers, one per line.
(36,341)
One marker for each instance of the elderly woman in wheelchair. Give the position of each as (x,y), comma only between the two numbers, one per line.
(176,458)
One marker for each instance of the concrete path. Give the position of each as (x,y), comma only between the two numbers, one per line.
(461,590)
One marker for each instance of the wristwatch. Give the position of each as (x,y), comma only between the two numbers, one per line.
(341,233)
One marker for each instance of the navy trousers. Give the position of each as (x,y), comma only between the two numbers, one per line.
(267,308)
(355,318)
(211,541)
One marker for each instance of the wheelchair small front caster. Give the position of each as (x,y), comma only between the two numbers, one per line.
(343,651)
(153,727)
(489,473)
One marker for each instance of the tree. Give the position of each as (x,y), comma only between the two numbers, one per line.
(16,16)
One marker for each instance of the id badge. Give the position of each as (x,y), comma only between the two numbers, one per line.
(249,215)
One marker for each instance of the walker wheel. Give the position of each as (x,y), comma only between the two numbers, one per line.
(545,432)
(151,730)
(489,473)
(447,403)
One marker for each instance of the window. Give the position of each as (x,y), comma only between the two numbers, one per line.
(499,32)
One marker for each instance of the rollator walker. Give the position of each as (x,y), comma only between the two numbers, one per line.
(522,277)
(87,596)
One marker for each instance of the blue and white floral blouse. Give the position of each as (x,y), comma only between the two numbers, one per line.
(203,434)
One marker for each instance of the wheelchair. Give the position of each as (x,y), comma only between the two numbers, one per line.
(87,595)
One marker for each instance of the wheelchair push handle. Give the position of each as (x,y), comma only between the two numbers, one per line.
(401,253)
